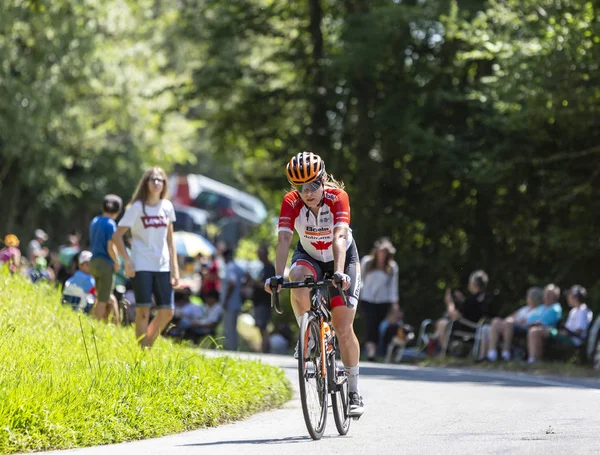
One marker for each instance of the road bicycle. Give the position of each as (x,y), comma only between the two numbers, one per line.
(319,372)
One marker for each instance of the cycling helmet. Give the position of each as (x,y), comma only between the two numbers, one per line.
(305,167)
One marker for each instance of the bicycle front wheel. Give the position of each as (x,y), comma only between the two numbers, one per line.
(313,386)
(340,400)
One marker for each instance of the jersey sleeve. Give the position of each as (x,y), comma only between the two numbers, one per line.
(341,209)
(172,217)
(130,214)
(290,207)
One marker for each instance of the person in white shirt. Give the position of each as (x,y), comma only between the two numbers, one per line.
(379,292)
(153,262)
(573,333)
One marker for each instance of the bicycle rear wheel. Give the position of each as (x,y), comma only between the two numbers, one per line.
(340,400)
(313,386)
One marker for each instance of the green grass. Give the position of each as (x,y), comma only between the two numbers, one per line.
(67,381)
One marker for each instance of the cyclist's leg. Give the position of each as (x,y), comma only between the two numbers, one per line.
(343,324)
(302,266)
(343,317)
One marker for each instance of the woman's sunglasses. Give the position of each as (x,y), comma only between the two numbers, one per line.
(309,187)
(156,180)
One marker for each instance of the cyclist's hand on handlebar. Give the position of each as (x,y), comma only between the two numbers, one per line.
(344,279)
(278,279)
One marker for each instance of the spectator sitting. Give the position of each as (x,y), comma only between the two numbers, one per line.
(80,289)
(185,310)
(40,271)
(66,253)
(35,249)
(11,255)
(394,334)
(199,324)
(515,323)
(574,331)
(544,317)
(473,307)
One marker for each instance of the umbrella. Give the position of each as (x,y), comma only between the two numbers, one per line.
(190,244)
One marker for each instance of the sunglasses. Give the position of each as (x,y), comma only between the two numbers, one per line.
(156,180)
(309,187)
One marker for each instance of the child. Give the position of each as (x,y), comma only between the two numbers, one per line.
(11,255)
(105,260)
(80,289)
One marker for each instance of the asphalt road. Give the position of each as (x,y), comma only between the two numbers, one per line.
(414,411)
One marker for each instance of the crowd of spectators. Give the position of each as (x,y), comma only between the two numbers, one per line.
(211,292)
(527,333)
(213,289)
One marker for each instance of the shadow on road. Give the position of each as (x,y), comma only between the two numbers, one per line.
(463,375)
(290,440)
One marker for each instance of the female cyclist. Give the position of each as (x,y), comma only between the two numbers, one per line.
(319,210)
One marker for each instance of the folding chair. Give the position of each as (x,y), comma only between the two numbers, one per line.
(470,332)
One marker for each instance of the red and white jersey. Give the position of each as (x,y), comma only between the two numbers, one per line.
(316,233)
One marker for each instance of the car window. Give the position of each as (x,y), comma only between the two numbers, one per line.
(208,200)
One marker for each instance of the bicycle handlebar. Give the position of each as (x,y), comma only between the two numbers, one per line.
(309,283)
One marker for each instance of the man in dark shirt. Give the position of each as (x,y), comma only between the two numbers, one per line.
(261,298)
(473,307)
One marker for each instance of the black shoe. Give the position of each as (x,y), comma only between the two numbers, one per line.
(356,404)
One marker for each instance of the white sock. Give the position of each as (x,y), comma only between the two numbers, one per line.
(299,320)
(506,355)
(492,355)
(531,360)
(352,374)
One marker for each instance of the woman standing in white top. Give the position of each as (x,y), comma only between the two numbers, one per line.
(379,291)
(153,262)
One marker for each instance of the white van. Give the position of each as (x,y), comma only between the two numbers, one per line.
(219,200)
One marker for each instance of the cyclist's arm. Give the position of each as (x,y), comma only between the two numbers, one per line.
(284,240)
(340,236)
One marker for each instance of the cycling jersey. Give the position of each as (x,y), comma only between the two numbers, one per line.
(316,232)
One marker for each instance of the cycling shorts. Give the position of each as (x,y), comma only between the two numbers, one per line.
(319,269)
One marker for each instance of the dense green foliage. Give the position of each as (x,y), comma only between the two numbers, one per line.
(466,131)
(68,381)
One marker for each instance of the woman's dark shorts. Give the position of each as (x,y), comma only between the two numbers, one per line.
(146,284)
(318,268)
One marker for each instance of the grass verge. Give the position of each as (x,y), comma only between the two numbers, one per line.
(67,381)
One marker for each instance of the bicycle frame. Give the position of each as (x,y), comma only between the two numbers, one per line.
(318,306)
